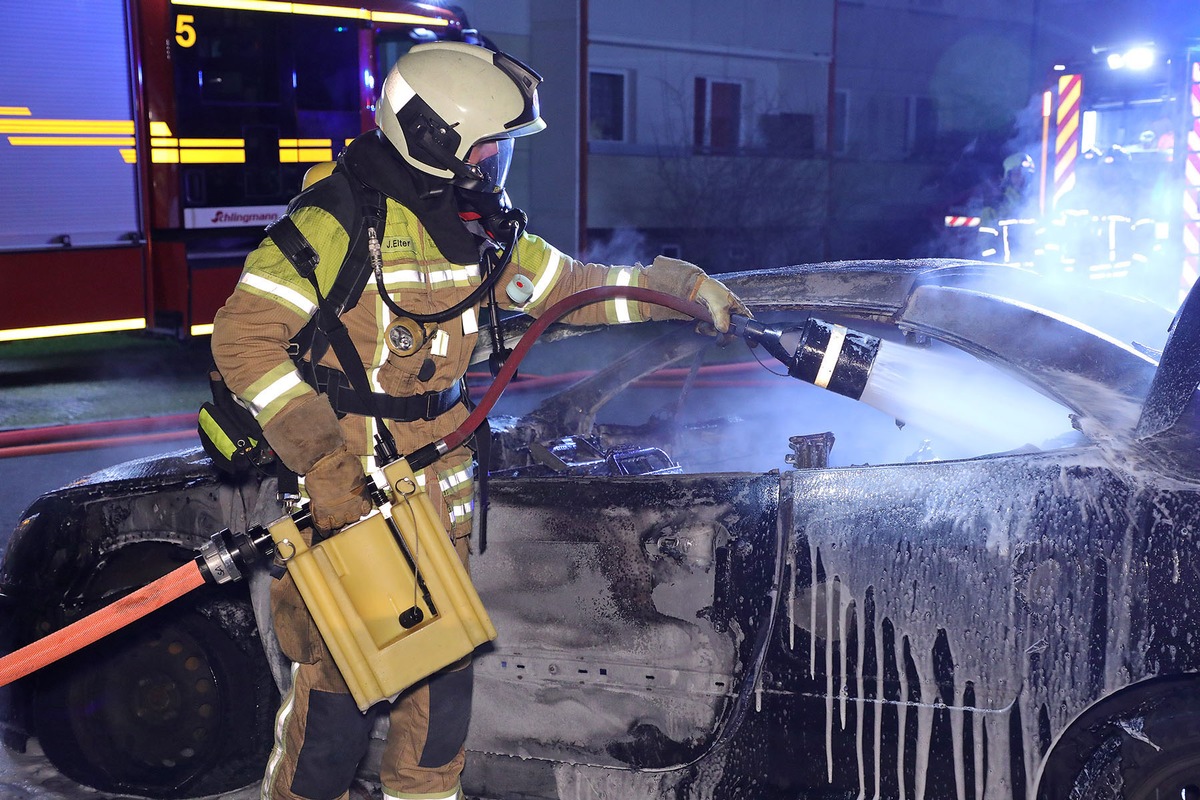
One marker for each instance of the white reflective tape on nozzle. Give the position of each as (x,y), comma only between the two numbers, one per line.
(833,351)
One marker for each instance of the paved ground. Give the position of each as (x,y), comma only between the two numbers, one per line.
(28,776)
(79,380)
(105,376)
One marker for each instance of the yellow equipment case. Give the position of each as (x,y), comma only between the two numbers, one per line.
(389,594)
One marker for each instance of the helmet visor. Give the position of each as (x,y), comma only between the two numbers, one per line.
(492,157)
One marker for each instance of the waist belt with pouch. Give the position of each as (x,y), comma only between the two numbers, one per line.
(346,399)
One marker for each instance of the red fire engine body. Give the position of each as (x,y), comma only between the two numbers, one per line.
(144,145)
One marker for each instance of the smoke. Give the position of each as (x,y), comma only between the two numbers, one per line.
(626,246)
(921,404)
(1102,240)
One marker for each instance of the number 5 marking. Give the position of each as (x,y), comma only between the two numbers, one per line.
(185,30)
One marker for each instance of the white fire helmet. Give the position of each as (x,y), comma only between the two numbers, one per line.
(1020,162)
(452,109)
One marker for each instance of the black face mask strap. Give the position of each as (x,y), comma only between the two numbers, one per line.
(500,352)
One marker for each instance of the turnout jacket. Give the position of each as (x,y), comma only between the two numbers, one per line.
(430,262)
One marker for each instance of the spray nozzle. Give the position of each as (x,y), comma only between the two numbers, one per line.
(818,352)
(746,327)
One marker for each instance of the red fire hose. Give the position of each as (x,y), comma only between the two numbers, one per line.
(95,626)
(174,585)
(553,314)
(93,435)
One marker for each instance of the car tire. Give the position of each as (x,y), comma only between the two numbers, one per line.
(180,704)
(1161,758)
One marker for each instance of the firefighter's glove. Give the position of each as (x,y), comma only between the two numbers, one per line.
(337,490)
(720,302)
(681,279)
(307,437)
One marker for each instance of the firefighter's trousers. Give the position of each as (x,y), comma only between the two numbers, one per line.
(321,736)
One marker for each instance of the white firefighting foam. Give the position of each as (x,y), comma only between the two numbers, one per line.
(992,626)
(973,405)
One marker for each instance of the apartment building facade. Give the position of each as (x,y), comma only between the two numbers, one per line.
(764,132)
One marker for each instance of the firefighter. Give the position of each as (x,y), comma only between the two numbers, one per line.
(446,118)
(1013,193)
(1006,230)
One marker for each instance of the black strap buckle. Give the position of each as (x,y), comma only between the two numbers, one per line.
(294,246)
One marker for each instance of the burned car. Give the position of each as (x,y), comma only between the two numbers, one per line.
(975,579)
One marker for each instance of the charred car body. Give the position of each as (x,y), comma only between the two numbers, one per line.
(687,610)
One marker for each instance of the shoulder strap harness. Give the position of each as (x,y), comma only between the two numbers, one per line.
(349,391)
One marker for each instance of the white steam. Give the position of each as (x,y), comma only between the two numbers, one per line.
(1107,224)
(625,247)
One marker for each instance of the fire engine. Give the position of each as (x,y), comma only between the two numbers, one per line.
(145,144)
(1115,197)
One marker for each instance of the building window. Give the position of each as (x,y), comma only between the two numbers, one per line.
(607,107)
(717,125)
(920,125)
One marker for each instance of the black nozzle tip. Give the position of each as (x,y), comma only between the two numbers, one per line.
(749,329)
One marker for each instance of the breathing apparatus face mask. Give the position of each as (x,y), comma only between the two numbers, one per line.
(491,159)
(483,204)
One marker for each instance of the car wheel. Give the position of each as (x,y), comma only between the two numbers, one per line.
(180,704)
(1160,761)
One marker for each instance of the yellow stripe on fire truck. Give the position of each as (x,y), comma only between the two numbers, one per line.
(318,10)
(1067,138)
(30,131)
(305,151)
(1190,269)
(165,147)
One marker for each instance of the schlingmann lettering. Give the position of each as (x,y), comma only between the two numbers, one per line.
(241,217)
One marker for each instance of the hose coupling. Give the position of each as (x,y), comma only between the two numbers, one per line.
(226,556)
